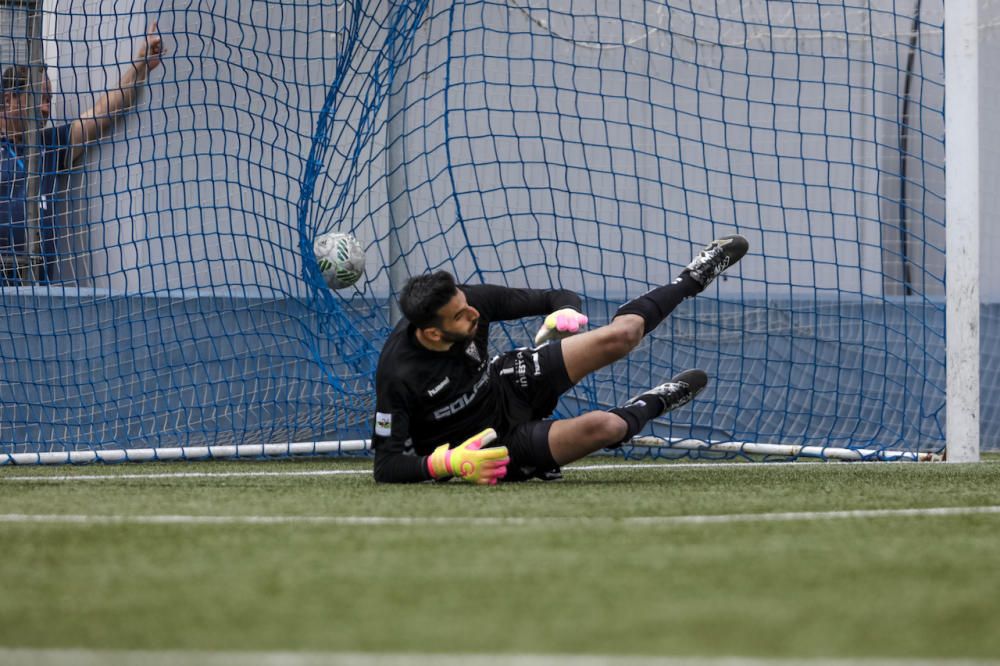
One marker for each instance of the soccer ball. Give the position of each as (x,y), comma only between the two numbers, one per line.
(340,257)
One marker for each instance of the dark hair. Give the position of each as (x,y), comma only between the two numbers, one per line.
(424,295)
(17,79)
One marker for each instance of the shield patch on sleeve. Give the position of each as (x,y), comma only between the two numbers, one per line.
(383,424)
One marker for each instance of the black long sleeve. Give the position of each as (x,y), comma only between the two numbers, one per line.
(506,303)
(394,458)
(396,467)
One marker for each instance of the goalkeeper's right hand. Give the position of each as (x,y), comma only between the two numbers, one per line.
(470,461)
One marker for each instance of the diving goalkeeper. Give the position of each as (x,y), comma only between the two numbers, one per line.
(444,409)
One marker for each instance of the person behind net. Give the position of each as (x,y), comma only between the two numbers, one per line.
(59,149)
(444,410)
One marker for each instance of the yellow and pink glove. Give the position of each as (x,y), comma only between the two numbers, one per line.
(470,461)
(560,324)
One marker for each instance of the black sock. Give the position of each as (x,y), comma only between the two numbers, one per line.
(655,305)
(638,413)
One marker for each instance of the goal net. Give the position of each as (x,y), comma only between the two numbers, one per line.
(171,300)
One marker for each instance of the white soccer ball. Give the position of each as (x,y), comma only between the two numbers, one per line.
(340,257)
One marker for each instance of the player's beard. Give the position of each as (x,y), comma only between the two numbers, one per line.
(459,338)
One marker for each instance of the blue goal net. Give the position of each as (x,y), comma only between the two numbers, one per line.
(158,216)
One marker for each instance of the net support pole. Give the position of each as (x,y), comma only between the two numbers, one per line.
(401,238)
(33,236)
(962,235)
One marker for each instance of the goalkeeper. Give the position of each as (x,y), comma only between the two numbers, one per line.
(444,409)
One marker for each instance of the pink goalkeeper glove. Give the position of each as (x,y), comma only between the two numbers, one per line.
(470,461)
(560,324)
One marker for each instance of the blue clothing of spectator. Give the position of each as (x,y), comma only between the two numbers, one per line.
(54,143)
(26,100)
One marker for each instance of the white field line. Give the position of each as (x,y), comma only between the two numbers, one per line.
(353,472)
(81,657)
(181,475)
(492,521)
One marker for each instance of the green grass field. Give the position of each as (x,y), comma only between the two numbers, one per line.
(281,556)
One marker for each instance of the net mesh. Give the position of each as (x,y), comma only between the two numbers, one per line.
(595,145)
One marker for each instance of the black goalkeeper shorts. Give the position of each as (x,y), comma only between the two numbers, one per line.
(531,382)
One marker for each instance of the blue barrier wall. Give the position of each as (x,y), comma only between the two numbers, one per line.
(82,370)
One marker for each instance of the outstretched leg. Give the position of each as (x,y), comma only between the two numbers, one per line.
(590,351)
(572,439)
(544,445)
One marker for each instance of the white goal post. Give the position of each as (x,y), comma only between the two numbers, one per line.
(963,240)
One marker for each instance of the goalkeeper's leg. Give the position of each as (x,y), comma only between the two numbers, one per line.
(543,445)
(572,439)
(590,351)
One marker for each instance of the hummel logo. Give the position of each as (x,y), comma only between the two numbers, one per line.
(437,389)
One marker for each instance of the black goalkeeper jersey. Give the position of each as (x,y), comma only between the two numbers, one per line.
(425,398)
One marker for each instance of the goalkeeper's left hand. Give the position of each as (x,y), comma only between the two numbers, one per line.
(470,461)
(560,324)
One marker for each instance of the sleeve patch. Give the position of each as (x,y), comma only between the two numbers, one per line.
(383,424)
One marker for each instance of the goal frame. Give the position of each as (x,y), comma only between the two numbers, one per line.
(967,200)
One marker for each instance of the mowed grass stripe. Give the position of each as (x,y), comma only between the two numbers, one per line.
(495,521)
(28,657)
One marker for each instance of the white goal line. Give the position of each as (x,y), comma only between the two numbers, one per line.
(495,521)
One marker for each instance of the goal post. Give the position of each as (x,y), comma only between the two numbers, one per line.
(594,145)
(963,130)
